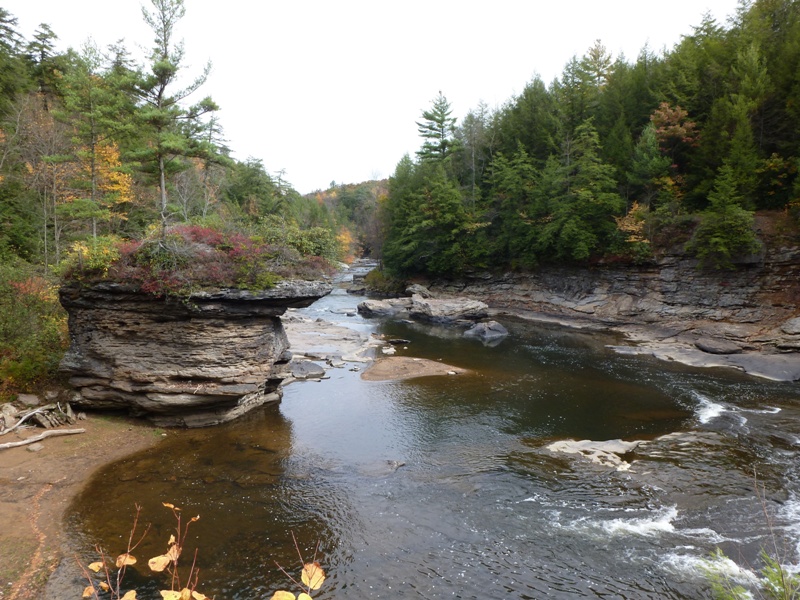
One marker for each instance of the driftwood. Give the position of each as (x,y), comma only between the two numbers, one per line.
(41,436)
(27,416)
(51,415)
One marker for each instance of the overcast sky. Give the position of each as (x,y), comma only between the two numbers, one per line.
(330,90)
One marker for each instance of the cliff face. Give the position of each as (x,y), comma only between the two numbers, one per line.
(198,362)
(753,305)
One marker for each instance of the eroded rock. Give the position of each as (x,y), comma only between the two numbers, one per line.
(195,362)
(490,330)
(714,346)
(447,310)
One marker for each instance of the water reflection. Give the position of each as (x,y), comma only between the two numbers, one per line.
(248,484)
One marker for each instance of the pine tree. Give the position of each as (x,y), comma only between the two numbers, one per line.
(172,126)
(726,230)
(437,131)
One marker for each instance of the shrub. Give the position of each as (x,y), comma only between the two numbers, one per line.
(186,258)
(91,257)
(377,281)
(33,327)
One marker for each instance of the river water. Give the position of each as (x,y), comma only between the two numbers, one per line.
(443,487)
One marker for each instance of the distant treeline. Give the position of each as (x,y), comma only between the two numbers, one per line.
(614,159)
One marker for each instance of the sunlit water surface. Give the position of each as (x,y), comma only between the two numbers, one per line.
(480,508)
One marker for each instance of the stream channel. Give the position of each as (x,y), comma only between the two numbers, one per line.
(443,487)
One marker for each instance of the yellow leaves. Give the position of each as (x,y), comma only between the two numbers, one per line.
(633,223)
(159,563)
(131,595)
(125,560)
(313,576)
(281,595)
(184,594)
(96,566)
(88,592)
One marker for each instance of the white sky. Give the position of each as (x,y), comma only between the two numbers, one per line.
(330,90)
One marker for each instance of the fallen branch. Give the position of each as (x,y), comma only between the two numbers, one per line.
(26,416)
(41,436)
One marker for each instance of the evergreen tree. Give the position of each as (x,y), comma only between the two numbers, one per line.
(437,129)
(581,201)
(725,231)
(172,127)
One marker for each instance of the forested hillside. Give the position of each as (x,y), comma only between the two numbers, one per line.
(614,159)
(106,156)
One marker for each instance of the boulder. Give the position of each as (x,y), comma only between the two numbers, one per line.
(489,330)
(791,327)
(716,346)
(384,308)
(192,362)
(305,369)
(447,310)
(419,290)
(29,399)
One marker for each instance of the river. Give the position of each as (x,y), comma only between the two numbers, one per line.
(443,487)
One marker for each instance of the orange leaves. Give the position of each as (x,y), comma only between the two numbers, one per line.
(96,566)
(159,563)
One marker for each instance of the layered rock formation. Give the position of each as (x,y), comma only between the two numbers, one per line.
(194,362)
(747,319)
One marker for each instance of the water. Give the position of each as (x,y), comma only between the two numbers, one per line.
(479,508)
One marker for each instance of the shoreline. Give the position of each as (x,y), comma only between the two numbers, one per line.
(38,488)
(676,342)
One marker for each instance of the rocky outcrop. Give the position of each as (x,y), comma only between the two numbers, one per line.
(434,310)
(741,304)
(194,362)
(747,319)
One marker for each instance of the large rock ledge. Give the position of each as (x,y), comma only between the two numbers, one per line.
(195,362)
(747,319)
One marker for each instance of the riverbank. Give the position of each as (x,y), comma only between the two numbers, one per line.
(747,319)
(36,488)
(691,343)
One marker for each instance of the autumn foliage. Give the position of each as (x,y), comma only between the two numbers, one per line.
(188,258)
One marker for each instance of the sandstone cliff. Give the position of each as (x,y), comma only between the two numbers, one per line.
(194,362)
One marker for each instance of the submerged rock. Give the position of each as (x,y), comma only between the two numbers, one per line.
(606,453)
(490,330)
(195,362)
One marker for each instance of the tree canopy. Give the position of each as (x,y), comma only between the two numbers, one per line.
(615,159)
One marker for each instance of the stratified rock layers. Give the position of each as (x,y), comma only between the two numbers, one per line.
(195,362)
